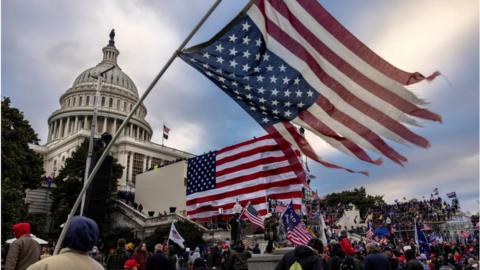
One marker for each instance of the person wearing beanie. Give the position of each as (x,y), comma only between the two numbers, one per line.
(307,256)
(24,251)
(81,236)
(116,260)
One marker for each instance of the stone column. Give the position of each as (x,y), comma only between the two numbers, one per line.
(104,125)
(85,120)
(75,126)
(130,130)
(67,127)
(144,165)
(130,167)
(60,130)
(114,128)
(49,138)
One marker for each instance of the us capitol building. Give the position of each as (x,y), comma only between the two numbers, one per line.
(70,125)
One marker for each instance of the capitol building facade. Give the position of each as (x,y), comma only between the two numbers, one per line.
(70,125)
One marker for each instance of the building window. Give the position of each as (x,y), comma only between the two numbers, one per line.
(131,106)
(68,102)
(80,99)
(103,101)
(137,165)
(128,165)
(124,106)
(74,100)
(87,101)
(110,104)
(118,104)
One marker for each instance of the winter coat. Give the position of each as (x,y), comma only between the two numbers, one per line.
(347,246)
(68,259)
(303,255)
(117,259)
(24,251)
(238,260)
(141,257)
(81,236)
(414,264)
(157,261)
(377,261)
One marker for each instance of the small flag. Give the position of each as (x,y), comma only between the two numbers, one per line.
(435,191)
(251,214)
(452,195)
(296,230)
(421,240)
(175,236)
(370,232)
(166,130)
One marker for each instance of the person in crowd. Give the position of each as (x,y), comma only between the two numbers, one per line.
(445,265)
(141,255)
(337,257)
(471,264)
(195,255)
(375,260)
(117,260)
(307,256)
(98,256)
(158,260)
(81,236)
(345,244)
(24,251)
(256,249)
(130,248)
(199,264)
(172,258)
(45,253)
(412,262)
(130,264)
(392,260)
(238,257)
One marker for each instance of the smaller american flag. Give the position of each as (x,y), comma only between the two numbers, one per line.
(166,130)
(370,232)
(452,194)
(250,213)
(296,231)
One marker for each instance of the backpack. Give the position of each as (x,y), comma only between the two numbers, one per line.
(295,266)
(347,263)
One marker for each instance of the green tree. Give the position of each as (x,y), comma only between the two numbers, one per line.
(357,196)
(22,168)
(69,183)
(189,231)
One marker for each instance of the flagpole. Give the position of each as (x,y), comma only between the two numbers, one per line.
(163,133)
(125,122)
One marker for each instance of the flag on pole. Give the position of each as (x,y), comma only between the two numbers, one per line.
(435,191)
(370,232)
(452,194)
(296,230)
(323,227)
(251,214)
(248,171)
(292,63)
(166,130)
(421,240)
(175,236)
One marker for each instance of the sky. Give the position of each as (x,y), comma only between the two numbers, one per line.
(46,44)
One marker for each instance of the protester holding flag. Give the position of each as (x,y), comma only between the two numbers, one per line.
(296,230)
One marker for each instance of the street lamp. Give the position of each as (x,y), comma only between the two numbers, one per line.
(93,129)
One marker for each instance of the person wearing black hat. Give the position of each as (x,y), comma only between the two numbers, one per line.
(307,256)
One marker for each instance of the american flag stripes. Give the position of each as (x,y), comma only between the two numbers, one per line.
(250,171)
(250,213)
(291,62)
(296,231)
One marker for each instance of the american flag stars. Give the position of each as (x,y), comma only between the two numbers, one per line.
(259,81)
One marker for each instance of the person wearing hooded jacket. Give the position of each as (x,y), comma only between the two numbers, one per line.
(81,236)
(307,256)
(24,251)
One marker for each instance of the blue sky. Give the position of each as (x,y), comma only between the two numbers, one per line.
(46,44)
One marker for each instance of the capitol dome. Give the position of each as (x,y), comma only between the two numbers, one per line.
(118,95)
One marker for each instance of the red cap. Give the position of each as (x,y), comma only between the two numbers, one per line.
(130,263)
(20,229)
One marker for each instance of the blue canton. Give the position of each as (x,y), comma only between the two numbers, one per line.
(263,84)
(201,173)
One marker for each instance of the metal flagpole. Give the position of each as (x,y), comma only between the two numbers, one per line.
(93,129)
(120,129)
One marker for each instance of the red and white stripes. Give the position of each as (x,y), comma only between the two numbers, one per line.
(363,99)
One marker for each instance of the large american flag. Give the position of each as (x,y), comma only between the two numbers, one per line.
(291,62)
(253,171)
(296,231)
